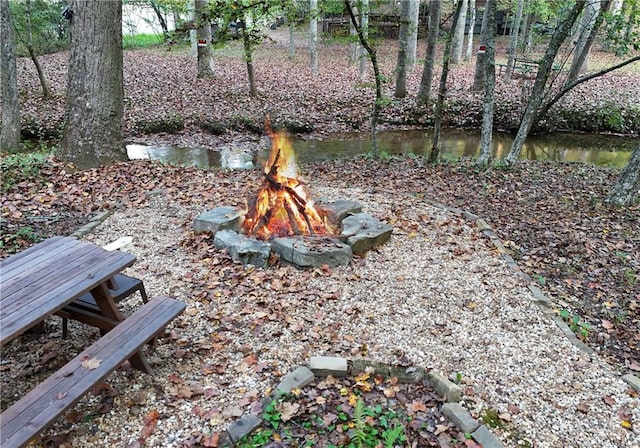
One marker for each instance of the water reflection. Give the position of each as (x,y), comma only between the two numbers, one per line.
(596,149)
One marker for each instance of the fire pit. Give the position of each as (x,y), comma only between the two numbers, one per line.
(282,219)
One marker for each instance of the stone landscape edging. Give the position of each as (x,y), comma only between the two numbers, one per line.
(323,366)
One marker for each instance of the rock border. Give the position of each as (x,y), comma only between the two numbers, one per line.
(323,366)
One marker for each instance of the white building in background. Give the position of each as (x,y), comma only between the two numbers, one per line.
(141,19)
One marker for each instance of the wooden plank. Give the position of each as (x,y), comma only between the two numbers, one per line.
(24,420)
(17,318)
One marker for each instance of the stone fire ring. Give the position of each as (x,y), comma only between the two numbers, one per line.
(360,233)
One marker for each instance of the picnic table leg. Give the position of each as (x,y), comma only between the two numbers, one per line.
(108,308)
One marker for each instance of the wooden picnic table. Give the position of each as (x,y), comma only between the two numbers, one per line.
(55,276)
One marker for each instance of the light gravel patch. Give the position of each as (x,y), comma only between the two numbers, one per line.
(437,295)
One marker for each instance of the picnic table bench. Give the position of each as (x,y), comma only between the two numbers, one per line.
(56,276)
(522,66)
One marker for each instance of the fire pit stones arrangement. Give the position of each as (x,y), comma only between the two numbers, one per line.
(360,233)
(282,219)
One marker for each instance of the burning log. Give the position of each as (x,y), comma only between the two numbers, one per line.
(282,206)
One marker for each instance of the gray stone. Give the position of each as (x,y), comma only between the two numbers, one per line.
(445,388)
(363,232)
(483,436)
(220,218)
(336,211)
(312,251)
(459,415)
(243,426)
(242,248)
(632,381)
(328,365)
(296,379)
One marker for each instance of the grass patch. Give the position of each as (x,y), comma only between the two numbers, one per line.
(131,41)
(17,168)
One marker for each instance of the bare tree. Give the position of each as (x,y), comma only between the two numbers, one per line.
(486,133)
(10,135)
(513,41)
(313,36)
(458,35)
(472,23)
(401,65)
(203,35)
(539,85)
(481,68)
(27,41)
(424,91)
(377,105)
(364,33)
(593,18)
(442,89)
(412,39)
(93,134)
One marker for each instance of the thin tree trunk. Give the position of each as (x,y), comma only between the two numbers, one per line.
(592,21)
(313,36)
(458,35)
(486,134)
(377,105)
(93,134)
(537,92)
(412,39)
(292,43)
(424,92)
(442,89)
(10,134)
(472,22)
(481,68)
(163,23)
(364,31)
(401,65)
(355,49)
(513,42)
(626,191)
(203,34)
(28,43)
(248,57)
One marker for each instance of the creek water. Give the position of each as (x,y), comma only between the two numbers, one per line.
(600,150)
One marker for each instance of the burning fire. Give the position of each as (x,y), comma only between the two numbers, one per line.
(282,206)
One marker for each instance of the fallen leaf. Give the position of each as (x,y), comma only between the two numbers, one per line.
(91,363)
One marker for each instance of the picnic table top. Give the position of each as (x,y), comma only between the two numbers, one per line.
(44,278)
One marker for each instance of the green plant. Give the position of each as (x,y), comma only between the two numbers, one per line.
(578,325)
(540,279)
(18,168)
(492,419)
(170,124)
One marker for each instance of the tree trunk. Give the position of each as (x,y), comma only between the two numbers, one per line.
(46,92)
(486,134)
(513,42)
(203,35)
(458,35)
(424,91)
(354,46)
(93,133)
(537,92)
(313,36)
(594,16)
(292,43)
(377,105)
(364,31)
(472,21)
(442,89)
(401,66)
(481,68)
(10,135)
(163,23)
(412,39)
(626,191)
(248,57)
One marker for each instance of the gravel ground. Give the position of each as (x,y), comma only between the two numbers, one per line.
(438,294)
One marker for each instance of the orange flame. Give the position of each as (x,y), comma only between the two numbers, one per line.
(282,206)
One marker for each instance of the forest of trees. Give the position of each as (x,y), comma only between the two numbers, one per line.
(93,134)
